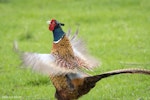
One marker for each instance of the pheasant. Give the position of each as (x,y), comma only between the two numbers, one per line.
(66,63)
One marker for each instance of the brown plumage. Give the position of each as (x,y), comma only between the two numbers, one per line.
(65,65)
(77,87)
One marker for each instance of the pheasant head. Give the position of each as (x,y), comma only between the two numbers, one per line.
(55,27)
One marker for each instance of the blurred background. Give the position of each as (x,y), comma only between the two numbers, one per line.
(117,32)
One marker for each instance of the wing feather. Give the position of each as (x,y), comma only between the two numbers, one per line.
(80,51)
(44,63)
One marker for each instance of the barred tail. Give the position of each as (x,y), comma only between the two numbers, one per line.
(96,78)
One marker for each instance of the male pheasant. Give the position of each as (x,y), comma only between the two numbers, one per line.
(65,64)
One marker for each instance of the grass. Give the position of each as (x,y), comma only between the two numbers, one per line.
(116,32)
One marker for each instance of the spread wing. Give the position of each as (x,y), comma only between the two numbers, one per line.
(43,63)
(85,60)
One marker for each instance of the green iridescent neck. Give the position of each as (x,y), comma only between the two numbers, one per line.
(58,34)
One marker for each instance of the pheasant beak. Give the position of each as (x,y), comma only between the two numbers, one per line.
(48,22)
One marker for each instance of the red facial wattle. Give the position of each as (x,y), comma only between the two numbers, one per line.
(52,25)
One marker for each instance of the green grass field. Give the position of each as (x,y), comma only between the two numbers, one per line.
(117,32)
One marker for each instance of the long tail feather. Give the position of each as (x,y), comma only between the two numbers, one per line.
(116,72)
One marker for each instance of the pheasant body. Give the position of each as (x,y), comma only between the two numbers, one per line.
(68,89)
(65,88)
(62,58)
(65,63)
(62,50)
